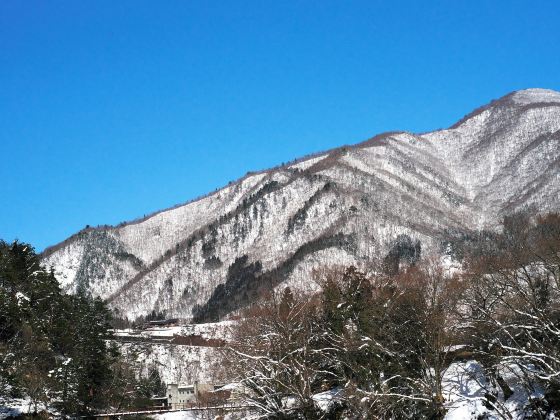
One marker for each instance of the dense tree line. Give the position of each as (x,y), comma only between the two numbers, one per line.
(55,349)
(385,340)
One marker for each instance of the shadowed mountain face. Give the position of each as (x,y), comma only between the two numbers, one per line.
(393,196)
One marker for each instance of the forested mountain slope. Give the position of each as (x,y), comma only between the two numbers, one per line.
(391,197)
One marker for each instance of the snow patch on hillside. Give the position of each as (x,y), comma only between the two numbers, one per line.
(307,163)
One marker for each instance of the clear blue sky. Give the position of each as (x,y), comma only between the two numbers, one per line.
(113,109)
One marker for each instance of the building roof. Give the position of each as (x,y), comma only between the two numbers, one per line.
(164,321)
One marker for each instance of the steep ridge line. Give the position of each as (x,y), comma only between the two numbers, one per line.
(394,184)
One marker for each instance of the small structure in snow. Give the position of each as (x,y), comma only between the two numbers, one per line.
(171,322)
(183,396)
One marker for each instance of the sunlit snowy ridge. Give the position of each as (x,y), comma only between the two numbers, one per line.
(351,205)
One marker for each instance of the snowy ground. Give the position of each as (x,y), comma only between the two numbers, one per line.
(178,415)
(189,415)
(465,387)
(17,407)
(325,399)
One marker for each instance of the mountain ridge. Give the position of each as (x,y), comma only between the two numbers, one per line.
(500,158)
(365,143)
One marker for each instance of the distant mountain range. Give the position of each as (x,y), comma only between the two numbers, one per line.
(393,197)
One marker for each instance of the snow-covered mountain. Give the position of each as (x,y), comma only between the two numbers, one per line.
(394,195)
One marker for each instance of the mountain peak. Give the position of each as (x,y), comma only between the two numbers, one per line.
(534,95)
(518,98)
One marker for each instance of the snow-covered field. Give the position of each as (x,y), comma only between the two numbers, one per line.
(16,407)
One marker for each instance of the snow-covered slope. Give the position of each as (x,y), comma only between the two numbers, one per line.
(349,205)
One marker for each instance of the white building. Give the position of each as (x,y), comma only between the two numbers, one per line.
(180,396)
